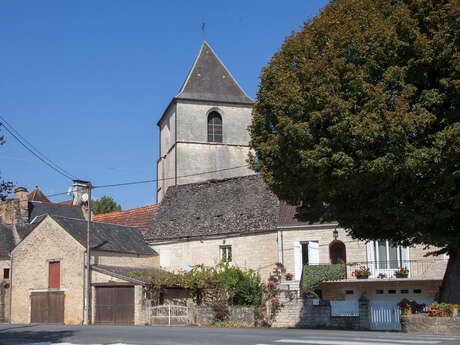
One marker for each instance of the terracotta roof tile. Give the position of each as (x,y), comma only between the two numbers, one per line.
(140,217)
(37,195)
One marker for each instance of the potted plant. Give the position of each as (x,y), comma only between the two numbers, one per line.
(362,272)
(402,272)
(289,276)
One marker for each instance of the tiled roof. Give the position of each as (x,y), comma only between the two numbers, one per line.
(123,272)
(67,202)
(37,195)
(140,217)
(209,80)
(6,240)
(239,205)
(234,205)
(106,237)
(40,208)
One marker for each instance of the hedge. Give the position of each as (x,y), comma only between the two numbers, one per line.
(313,275)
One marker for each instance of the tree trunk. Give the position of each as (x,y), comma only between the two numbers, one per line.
(450,288)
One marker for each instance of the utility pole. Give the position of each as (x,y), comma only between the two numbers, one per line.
(87,320)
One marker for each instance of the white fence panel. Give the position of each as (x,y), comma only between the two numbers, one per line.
(384,315)
(344,308)
(169,315)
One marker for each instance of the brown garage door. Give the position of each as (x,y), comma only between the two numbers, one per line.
(115,305)
(47,307)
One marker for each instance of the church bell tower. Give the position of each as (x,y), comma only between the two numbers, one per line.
(204,130)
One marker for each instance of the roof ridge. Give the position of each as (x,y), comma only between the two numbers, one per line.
(92,221)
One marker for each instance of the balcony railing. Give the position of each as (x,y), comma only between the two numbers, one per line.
(422,269)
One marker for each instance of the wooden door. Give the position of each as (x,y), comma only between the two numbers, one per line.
(47,307)
(115,305)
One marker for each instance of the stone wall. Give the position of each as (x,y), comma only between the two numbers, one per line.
(303,313)
(258,252)
(430,325)
(200,315)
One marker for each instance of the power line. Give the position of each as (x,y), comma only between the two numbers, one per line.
(32,149)
(156,180)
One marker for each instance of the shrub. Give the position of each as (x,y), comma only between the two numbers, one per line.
(442,309)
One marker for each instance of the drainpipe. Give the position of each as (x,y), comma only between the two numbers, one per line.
(84,289)
(11,287)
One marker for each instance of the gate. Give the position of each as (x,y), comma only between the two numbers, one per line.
(169,315)
(47,307)
(384,315)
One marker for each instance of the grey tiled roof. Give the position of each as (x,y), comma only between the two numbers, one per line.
(106,237)
(235,205)
(209,80)
(124,271)
(6,240)
(37,208)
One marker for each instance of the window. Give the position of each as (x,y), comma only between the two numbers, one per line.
(404,291)
(54,275)
(387,255)
(392,292)
(6,273)
(349,292)
(417,291)
(379,292)
(214,127)
(226,253)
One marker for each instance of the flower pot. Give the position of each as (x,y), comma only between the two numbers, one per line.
(362,276)
(401,275)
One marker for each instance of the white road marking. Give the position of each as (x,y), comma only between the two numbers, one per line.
(384,340)
(334,342)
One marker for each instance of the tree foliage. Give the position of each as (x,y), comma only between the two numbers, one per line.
(106,204)
(5,187)
(357,120)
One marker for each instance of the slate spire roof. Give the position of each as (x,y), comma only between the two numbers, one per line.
(209,80)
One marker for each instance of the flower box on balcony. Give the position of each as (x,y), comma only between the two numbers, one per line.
(401,275)
(362,276)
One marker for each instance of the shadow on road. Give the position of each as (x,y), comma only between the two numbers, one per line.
(13,335)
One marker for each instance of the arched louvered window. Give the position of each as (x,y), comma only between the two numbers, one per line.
(214,127)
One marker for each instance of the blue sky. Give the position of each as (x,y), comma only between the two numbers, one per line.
(86,81)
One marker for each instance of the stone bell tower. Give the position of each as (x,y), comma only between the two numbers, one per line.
(204,130)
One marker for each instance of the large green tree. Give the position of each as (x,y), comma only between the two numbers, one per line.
(357,120)
(106,204)
(5,187)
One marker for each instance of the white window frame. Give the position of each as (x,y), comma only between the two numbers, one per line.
(402,257)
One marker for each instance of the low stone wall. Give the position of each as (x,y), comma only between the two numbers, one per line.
(200,315)
(430,325)
(302,313)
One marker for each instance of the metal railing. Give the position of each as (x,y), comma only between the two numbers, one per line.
(428,269)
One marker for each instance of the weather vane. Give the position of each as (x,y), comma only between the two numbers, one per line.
(202,29)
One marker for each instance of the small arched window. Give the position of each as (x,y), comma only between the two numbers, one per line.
(214,127)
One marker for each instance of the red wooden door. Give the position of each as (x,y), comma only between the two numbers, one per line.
(55,275)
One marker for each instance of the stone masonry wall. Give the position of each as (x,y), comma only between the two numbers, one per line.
(258,252)
(430,325)
(199,315)
(31,265)
(302,313)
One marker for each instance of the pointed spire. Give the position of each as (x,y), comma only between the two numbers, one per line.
(209,80)
(37,195)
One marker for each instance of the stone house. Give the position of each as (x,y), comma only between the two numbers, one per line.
(241,221)
(17,216)
(48,273)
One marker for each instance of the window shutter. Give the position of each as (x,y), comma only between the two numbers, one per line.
(405,258)
(313,253)
(370,245)
(297,260)
(54,275)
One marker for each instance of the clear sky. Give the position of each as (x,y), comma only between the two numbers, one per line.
(86,81)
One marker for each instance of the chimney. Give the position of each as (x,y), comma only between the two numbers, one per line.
(80,187)
(20,194)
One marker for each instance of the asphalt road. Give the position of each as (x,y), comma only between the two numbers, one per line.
(58,334)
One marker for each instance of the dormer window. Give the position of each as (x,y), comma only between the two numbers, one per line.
(214,127)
